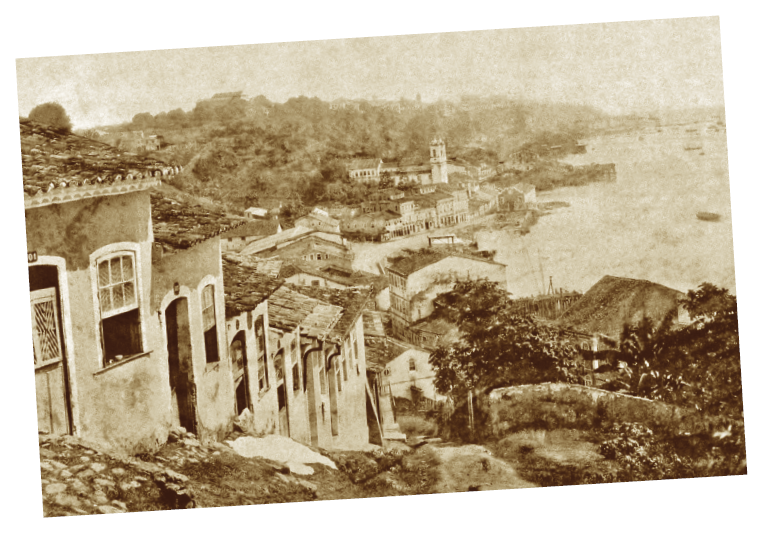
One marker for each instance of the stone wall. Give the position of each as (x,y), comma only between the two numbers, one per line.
(560,405)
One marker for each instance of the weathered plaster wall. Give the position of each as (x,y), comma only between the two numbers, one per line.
(353,419)
(124,406)
(73,230)
(193,269)
(558,405)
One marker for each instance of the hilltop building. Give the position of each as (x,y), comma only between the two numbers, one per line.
(409,170)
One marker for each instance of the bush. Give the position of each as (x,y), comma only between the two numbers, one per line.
(52,114)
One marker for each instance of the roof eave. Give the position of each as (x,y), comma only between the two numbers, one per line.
(59,195)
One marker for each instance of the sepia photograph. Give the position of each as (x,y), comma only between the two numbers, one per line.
(357,267)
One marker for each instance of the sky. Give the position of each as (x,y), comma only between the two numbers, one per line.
(617,67)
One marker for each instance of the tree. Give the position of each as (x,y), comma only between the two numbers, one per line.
(53,114)
(695,366)
(499,346)
(143,121)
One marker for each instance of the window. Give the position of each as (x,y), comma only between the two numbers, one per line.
(118,303)
(338,376)
(322,375)
(296,382)
(262,362)
(262,372)
(412,365)
(354,347)
(316,283)
(209,323)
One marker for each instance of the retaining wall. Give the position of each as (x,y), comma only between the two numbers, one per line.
(560,405)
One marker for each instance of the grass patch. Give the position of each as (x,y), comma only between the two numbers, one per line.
(413,425)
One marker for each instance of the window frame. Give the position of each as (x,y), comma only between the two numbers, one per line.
(107,253)
(205,329)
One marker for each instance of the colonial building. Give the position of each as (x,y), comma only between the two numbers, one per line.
(416,279)
(393,213)
(246,315)
(410,170)
(127,298)
(318,337)
(320,220)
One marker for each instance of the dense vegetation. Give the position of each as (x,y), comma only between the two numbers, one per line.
(695,367)
(244,152)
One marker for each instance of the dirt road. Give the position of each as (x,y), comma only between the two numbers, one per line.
(472,467)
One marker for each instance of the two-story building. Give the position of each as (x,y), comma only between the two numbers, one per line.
(417,278)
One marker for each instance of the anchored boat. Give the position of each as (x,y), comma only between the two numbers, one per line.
(709,217)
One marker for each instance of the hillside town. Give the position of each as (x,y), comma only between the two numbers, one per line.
(370,289)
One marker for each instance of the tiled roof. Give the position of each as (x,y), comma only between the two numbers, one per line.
(179,225)
(380,352)
(320,217)
(363,164)
(612,302)
(288,309)
(268,267)
(271,241)
(373,324)
(407,264)
(333,273)
(60,166)
(352,301)
(255,228)
(245,289)
(524,187)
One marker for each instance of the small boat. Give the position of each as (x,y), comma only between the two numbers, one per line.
(708,217)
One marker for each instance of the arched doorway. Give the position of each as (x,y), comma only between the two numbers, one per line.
(240,373)
(182,386)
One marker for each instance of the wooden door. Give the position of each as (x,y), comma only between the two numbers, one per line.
(52,408)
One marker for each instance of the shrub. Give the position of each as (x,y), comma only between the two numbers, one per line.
(53,114)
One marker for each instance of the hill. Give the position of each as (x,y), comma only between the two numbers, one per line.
(242,152)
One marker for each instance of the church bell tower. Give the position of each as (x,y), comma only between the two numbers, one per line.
(439,161)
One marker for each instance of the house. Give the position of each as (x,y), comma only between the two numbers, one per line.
(256,212)
(365,170)
(314,248)
(126,295)
(246,316)
(320,334)
(237,239)
(188,300)
(409,375)
(519,197)
(309,274)
(417,278)
(521,160)
(614,301)
(320,220)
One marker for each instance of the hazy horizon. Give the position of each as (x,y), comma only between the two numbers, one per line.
(619,68)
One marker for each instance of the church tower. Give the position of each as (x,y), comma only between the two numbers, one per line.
(439,161)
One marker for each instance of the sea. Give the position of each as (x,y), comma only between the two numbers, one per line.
(642,226)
